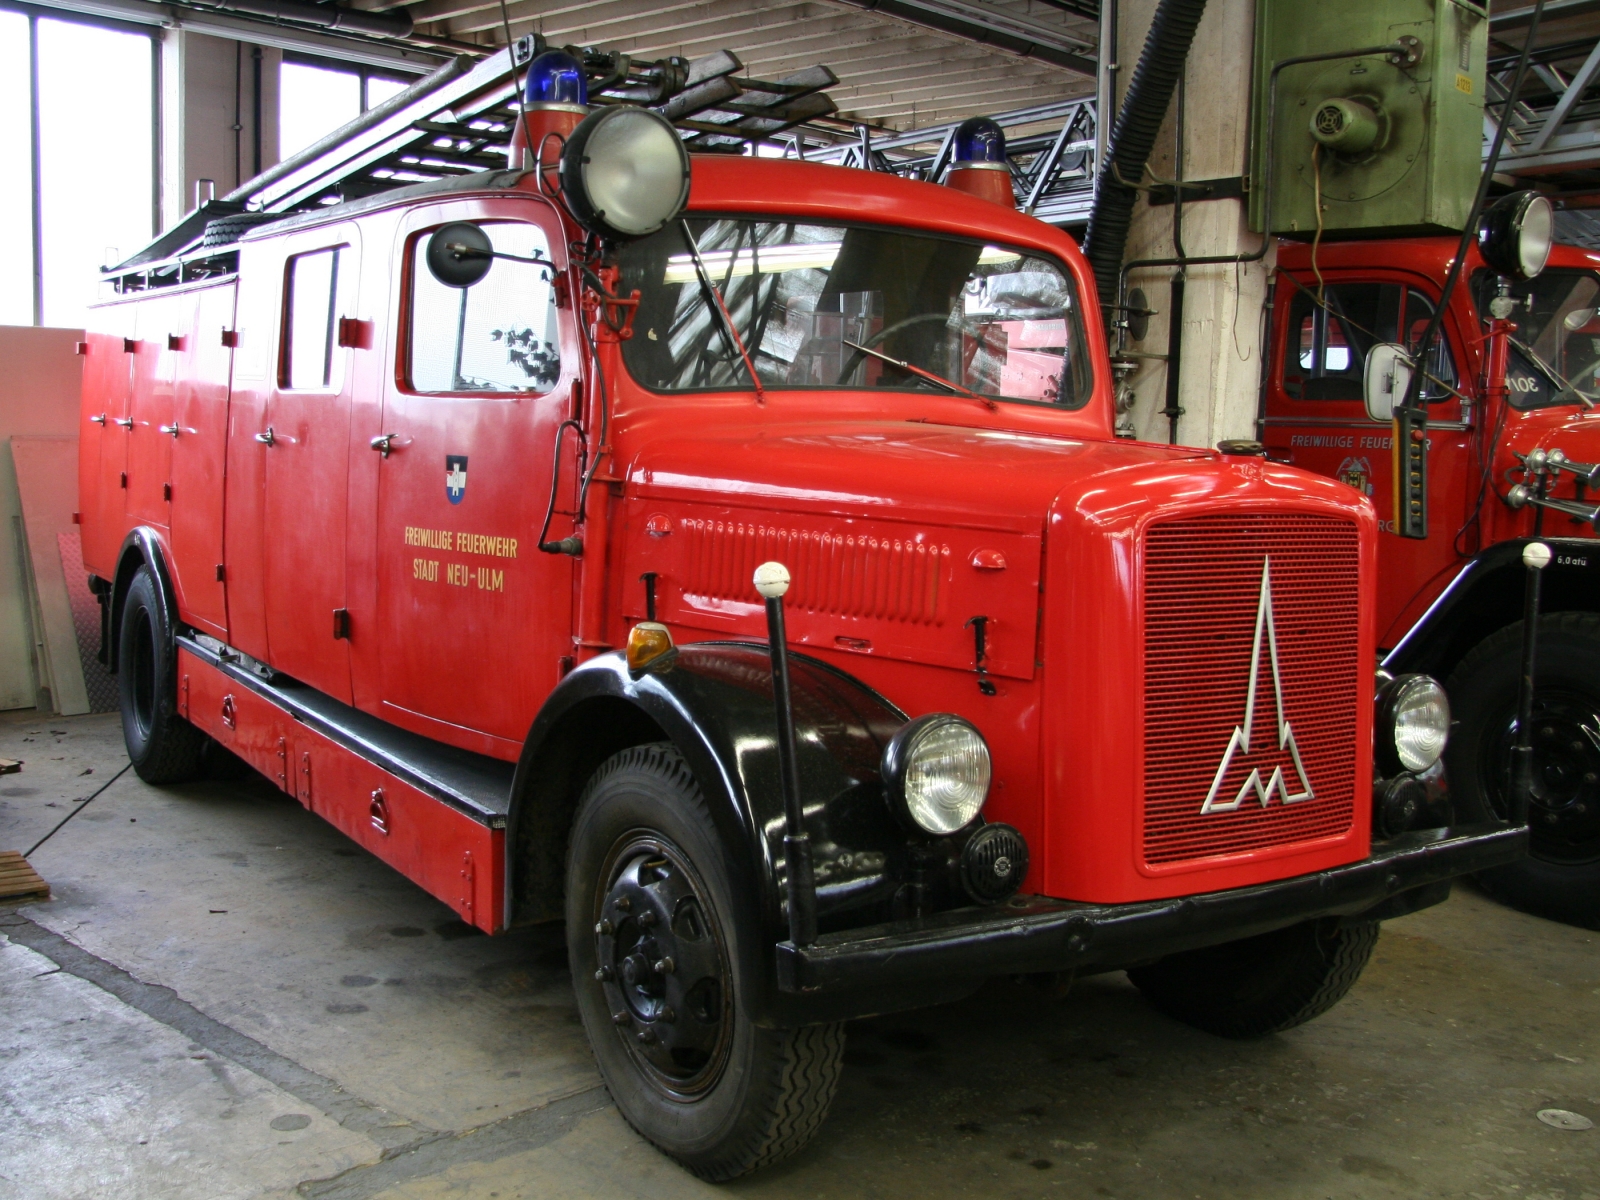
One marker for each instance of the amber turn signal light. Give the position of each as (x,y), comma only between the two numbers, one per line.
(649,647)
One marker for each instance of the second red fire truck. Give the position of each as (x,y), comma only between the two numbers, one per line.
(1513,393)
(445,509)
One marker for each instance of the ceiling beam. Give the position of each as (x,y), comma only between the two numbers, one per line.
(990,27)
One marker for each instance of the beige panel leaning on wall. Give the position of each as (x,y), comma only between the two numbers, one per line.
(40,374)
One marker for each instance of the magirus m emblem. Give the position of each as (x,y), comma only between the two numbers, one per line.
(1241,733)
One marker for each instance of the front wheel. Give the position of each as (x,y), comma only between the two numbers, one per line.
(163,747)
(1262,984)
(1560,878)
(654,955)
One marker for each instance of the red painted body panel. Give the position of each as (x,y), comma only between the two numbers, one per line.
(1336,438)
(901,514)
(451,856)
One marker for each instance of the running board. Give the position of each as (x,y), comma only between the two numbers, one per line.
(434,812)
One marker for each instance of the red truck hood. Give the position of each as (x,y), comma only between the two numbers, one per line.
(941,474)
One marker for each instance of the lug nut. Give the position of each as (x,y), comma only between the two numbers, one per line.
(623,904)
(619,1018)
(604,975)
(604,928)
(667,1015)
(666,966)
(647,1037)
(647,918)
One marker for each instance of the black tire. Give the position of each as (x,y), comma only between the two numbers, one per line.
(1263,984)
(224,231)
(163,747)
(683,1062)
(1561,877)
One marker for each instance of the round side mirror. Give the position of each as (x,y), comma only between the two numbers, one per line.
(624,172)
(459,255)
(1578,318)
(1516,233)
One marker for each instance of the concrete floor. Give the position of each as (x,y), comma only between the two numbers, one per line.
(225,998)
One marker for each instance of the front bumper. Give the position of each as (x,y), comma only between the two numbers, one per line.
(890,965)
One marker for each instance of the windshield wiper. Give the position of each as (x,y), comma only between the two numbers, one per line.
(722,309)
(1550,372)
(913,369)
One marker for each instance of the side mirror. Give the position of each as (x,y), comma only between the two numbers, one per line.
(1578,318)
(1388,375)
(459,255)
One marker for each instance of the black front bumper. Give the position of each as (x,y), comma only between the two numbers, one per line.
(889,965)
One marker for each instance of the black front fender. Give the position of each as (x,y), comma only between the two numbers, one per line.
(140,548)
(714,704)
(1486,596)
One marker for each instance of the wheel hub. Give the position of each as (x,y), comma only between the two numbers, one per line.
(663,968)
(1564,813)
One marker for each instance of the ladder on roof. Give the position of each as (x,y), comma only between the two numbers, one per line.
(459,120)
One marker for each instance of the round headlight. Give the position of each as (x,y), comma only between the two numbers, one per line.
(937,772)
(1413,723)
(624,172)
(1516,233)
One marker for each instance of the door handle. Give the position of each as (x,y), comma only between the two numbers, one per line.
(125,422)
(172,429)
(266,439)
(383,443)
(99,420)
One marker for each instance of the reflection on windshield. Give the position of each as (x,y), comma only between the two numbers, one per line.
(1556,318)
(992,320)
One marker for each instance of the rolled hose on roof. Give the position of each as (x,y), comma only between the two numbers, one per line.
(1166,47)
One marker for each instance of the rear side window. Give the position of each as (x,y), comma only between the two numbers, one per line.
(1328,342)
(316,301)
(500,334)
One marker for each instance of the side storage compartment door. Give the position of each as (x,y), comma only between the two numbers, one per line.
(306,464)
(102,441)
(159,332)
(257,315)
(199,448)
(476,620)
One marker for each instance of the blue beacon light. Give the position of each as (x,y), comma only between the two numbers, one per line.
(979,140)
(978,165)
(555,77)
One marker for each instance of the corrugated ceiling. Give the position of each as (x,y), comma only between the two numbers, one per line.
(892,73)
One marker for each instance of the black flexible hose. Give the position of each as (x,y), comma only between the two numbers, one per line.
(1134,136)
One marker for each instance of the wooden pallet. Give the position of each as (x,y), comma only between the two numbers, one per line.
(19,881)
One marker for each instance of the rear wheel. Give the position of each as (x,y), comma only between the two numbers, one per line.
(650,934)
(1560,878)
(1263,984)
(163,747)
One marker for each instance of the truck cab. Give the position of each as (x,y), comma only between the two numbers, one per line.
(1510,386)
(445,508)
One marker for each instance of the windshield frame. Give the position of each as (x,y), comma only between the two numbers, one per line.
(1077,319)
(1567,394)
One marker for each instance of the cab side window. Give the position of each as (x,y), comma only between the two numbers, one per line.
(499,335)
(1328,342)
(317,298)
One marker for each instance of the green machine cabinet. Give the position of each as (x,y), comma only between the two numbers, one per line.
(1392,139)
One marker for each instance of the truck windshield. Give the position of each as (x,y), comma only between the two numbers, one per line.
(810,301)
(1558,325)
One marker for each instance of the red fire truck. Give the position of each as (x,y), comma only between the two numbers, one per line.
(444,508)
(1514,439)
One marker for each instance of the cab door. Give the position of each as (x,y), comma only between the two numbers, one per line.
(305,451)
(1316,416)
(475,622)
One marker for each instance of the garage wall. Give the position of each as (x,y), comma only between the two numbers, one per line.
(38,396)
